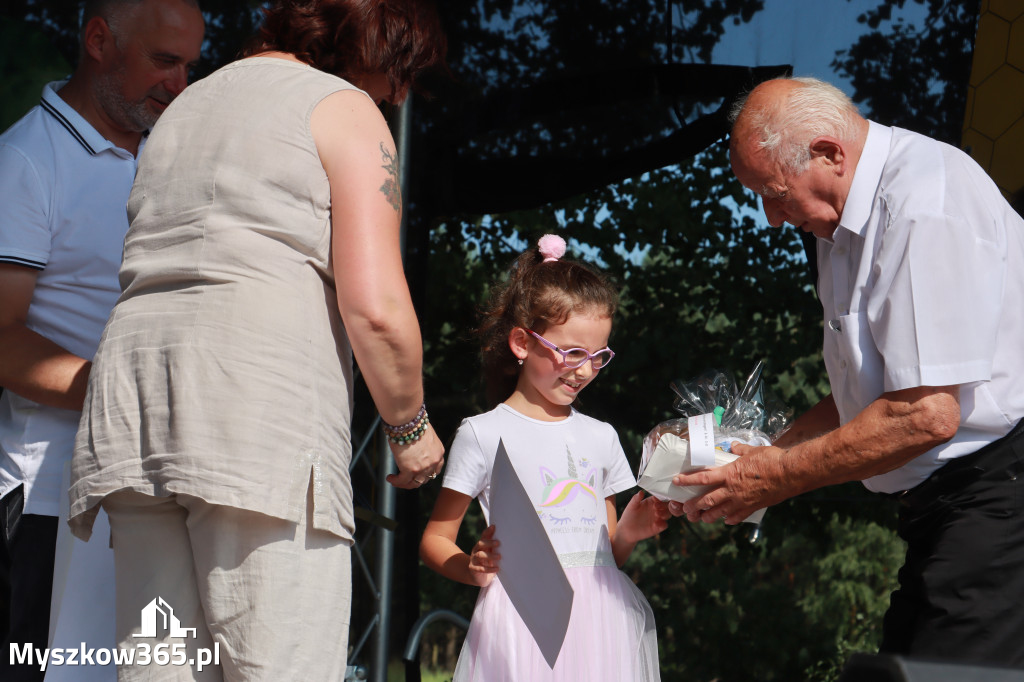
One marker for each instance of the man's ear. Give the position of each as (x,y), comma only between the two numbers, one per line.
(517,341)
(830,149)
(98,40)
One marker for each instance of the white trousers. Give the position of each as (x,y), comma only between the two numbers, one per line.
(82,602)
(265,598)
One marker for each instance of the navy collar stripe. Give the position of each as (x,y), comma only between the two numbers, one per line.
(67,124)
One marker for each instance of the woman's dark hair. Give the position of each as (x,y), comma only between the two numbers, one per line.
(348,38)
(535,296)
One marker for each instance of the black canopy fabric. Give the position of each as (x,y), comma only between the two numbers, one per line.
(522,148)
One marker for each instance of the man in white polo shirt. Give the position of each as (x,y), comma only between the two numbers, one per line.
(921,277)
(66,169)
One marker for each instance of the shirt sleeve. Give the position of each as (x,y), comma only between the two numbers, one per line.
(934,314)
(620,476)
(25,235)
(467,470)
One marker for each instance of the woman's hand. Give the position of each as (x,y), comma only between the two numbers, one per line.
(418,462)
(483,559)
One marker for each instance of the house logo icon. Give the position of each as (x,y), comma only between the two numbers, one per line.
(169,622)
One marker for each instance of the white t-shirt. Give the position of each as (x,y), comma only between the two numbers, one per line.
(922,285)
(568,468)
(65,189)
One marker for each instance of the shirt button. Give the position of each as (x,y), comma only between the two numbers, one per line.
(843,364)
(840,250)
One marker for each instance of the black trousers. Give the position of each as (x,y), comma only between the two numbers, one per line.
(28,560)
(961,588)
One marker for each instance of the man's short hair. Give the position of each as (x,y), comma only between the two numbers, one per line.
(111,9)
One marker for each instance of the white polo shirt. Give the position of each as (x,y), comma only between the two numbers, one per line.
(63,213)
(923,285)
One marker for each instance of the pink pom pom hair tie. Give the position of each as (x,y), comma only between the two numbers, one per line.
(551,246)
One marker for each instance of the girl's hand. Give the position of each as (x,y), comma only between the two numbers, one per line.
(483,559)
(642,518)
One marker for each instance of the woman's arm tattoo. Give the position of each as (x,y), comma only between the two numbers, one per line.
(391,188)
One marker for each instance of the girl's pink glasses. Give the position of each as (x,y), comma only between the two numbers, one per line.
(577,357)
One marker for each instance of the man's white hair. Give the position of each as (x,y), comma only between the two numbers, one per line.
(786,126)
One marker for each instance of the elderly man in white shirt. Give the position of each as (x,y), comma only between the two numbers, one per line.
(921,278)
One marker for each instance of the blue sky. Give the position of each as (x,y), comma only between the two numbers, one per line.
(804,33)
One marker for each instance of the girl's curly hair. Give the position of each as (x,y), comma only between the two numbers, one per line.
(535,295)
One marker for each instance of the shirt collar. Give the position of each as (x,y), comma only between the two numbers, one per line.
(867,175)
(76,125)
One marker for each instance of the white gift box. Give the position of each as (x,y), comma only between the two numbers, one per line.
(671,456)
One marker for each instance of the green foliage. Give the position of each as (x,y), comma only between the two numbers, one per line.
(27,63)
(914,76)
(842,586)
(791,606)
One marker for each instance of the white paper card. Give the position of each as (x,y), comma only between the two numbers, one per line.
(529,570)
(702,440)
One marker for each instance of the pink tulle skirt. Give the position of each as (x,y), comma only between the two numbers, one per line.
(611,636)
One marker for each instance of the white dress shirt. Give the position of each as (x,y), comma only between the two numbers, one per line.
(923,285)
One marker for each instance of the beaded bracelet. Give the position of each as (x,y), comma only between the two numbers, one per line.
(416,426)
(409,425)
(411,436)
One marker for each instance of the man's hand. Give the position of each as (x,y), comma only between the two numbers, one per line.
(754,481)
(894,429)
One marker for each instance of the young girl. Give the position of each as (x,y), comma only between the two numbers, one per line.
(545,337)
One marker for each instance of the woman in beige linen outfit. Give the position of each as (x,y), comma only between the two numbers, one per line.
(263,252)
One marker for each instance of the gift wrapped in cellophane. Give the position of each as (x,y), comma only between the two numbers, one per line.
(715,414)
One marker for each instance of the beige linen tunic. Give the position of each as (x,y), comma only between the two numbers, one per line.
(224,371)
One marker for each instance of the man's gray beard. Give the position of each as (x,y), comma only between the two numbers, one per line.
(133,116)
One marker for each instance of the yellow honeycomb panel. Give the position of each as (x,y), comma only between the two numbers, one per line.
(998,102)
(1006,165)
(1007,9)
(978,146)
(1015,50)
(994,118)
(989,47)
(969,108)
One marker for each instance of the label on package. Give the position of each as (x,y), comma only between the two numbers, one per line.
(702,440)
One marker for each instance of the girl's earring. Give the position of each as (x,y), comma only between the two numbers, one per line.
(520,361)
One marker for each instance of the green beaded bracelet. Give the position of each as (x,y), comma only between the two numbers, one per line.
(411,436)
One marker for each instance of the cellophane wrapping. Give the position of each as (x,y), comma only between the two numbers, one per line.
(749,414)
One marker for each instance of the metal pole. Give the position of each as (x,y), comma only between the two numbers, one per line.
(400,124)
(384,559)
